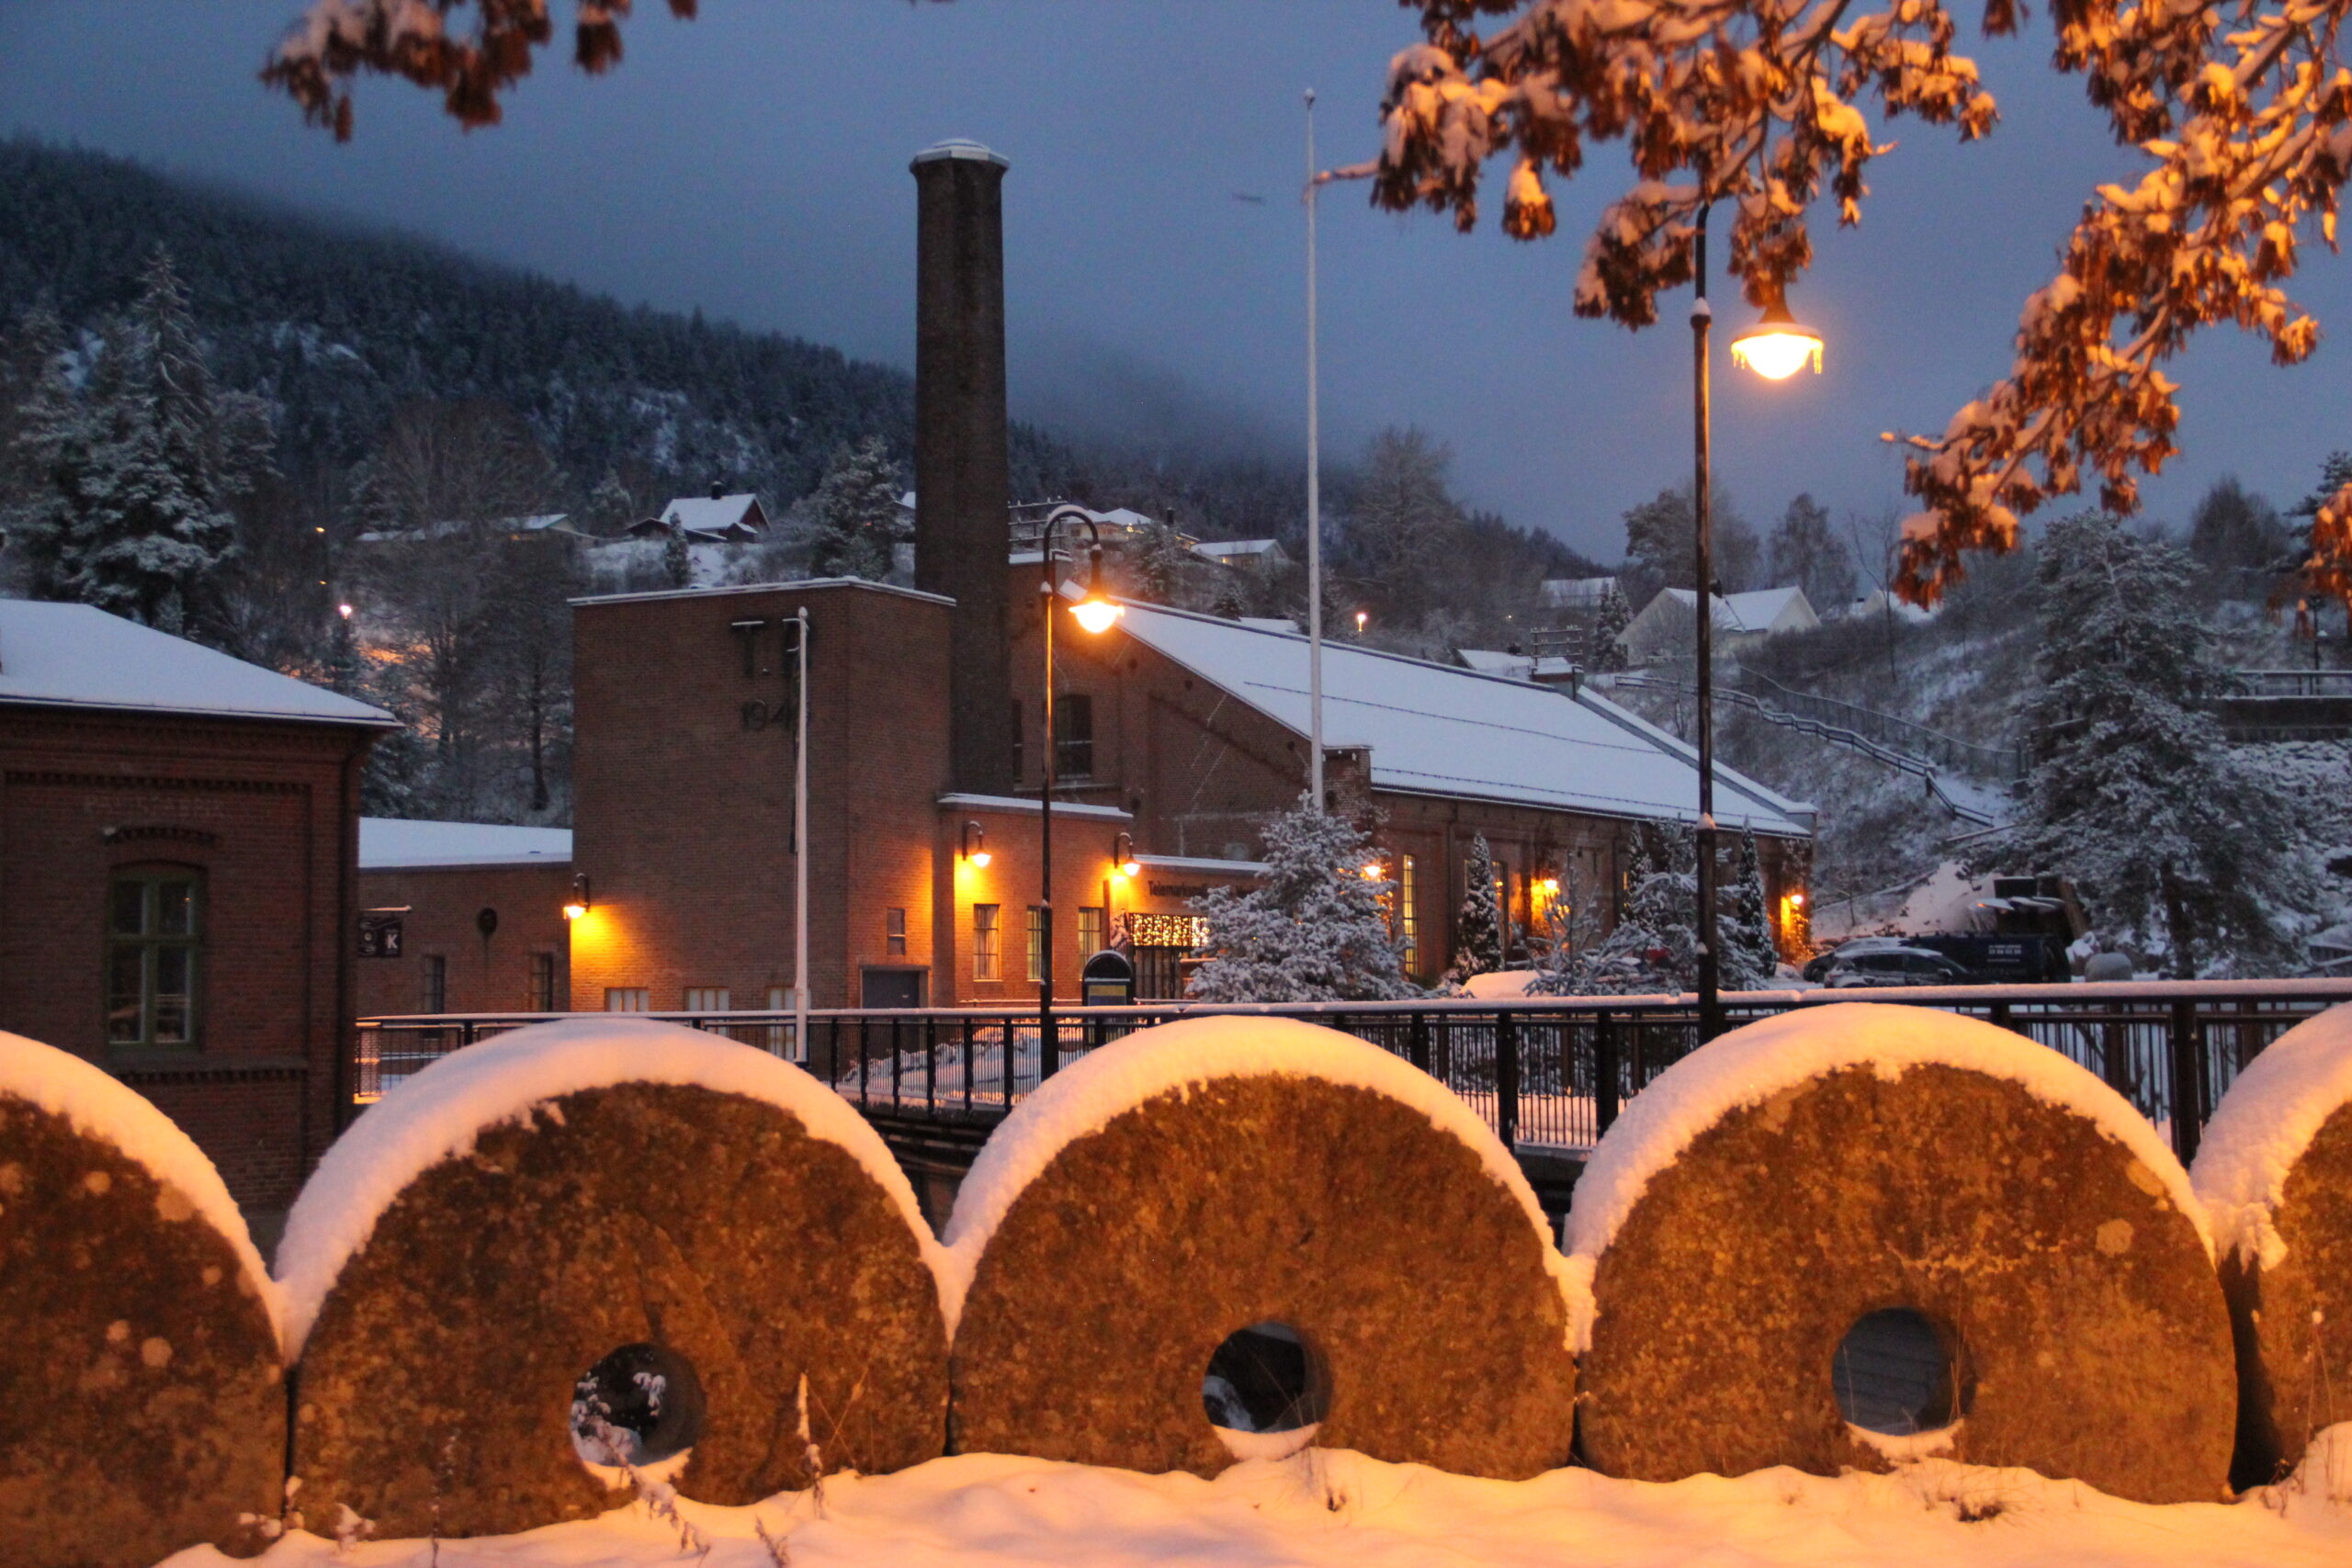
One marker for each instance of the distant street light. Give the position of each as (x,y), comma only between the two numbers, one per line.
(1776,348)
(1096,612)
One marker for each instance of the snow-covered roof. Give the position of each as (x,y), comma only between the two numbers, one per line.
(1270,623)
(968,802)
(1437,730)
(1516,666)
(79,656)
(1772,609)
(715,515)
(1209,865)
(1577,593)
(393,844)
(1223,549)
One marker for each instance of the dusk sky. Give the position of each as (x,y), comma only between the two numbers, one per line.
(753,162)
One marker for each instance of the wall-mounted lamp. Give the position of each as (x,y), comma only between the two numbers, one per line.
(1123,855)
(578,904)
(976,844)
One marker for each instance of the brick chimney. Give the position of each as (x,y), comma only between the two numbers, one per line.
(963,481)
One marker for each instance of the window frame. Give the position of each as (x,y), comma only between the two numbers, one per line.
(1073,713)
(1035,932)
(1094,931)
(540,977)
(1408,917)
(149,942)
(434,980)
(988,957)
(894,931)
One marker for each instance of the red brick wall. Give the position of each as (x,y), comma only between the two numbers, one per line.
(267,813)
(682,789)
(483,975)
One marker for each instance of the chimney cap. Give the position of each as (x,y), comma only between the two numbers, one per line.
(959,147)
(717,489)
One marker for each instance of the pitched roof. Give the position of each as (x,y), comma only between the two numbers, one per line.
(387,843)
(1577,593)
(1758,610)
(713,514)
(79,656)
(1437,730)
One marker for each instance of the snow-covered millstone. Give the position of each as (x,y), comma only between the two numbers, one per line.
(1766,1193)
(140,1359)
(2275,1172)
(498,1224)
(1191,1180)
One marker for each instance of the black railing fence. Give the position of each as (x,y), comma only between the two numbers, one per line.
(1548,1074)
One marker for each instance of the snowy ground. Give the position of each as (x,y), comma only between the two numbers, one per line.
(1343,1510)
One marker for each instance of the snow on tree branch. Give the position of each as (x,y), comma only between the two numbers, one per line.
(2245,109)
(337,41)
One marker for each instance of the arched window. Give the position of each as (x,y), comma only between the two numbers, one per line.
(155,953)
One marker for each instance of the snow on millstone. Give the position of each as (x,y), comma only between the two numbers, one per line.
(1171,1188)
(525,1208)
(1775,1189)
(142,1362)
(2275,1170)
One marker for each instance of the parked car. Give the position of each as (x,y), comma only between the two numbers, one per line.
(1895,966)
(1816,968)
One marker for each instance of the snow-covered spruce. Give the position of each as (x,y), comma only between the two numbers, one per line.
(566,1202)
(1315,927)
(1218,1173)
(2275,1172)
(1800,1176)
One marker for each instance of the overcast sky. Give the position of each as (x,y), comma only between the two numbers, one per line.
(753,162)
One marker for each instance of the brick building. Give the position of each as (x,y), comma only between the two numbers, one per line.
(176,844)
(462,917)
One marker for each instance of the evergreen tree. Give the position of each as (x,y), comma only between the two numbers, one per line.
(610,509)
(2182,852)
(1603,653)
(854,514)
(1479,926)
(1314,929)
(677,560)
(1653,945)
(1805,553)
(1160,565)
(1749,958)
(2238,538)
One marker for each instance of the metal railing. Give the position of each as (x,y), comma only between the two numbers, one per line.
(1547,1074)
(2293,682)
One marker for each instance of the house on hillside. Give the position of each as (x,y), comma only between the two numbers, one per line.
(1575,595)
(716,519)
(177,894)
(1666,626)
(1246,555)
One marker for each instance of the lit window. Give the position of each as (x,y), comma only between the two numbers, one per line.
(894,932)
(436,983)
(1036,942)
(1090,932)
(153,941)
(985,964)
(708,999)
(542,982)
(1408,920)
(628,998)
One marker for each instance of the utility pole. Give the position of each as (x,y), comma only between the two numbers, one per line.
(1314,503)
(1711,1007)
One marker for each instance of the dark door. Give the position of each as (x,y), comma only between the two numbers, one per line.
(892,988)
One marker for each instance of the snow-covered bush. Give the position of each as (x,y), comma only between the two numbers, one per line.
(1314,929)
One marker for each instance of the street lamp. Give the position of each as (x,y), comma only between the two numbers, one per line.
(1096,612)
(1776,348)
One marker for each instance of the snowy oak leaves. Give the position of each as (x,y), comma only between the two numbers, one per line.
(2245,109)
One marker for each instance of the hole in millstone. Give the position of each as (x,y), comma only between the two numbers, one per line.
(1265,1390)
(1896,1376)
(638,1406)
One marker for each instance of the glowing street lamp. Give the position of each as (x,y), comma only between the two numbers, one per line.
(1777,347)
(1096,613)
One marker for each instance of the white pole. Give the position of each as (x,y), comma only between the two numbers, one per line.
(800,839)
(1313,503)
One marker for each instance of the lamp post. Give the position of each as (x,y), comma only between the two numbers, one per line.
(1095,614)
(1775,348)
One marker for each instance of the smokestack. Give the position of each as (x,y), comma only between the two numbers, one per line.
(962,479)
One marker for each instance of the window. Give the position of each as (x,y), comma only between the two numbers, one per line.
(628,998)
(707,998)
(984,940)
(542,982)
(436,983)
(1089,933)
(155,937)
(894,932)
(1073,737)
(1408,922)
(1036,942)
